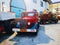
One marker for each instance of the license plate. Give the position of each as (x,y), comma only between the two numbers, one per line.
(23,30)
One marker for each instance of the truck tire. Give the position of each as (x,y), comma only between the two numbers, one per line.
(37,27)
(50,21)
(56,21)
(41,21)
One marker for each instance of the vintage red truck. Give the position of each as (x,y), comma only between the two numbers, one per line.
(27,23)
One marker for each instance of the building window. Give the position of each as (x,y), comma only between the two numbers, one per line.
(41,4)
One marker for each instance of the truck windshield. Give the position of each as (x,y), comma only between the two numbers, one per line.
(31,14)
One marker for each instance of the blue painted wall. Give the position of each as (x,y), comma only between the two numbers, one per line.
(18,7)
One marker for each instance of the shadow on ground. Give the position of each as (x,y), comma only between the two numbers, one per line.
(51,23)
(4,37)
(42,38)
(29,39)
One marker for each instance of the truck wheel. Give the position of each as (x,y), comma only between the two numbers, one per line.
(41,21)
(50,21)
(35,33)
(56,21)
(37,26)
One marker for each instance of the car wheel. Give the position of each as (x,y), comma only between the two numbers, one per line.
(50,21)
(56,21)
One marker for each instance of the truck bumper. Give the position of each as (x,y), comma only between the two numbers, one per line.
(23,30)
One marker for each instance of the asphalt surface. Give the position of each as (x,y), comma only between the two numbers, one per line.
(28,38)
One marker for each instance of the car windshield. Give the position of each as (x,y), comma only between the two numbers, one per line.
(31,14)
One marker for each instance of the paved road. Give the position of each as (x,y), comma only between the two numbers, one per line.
(44,37)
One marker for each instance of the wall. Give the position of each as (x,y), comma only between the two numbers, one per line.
(30,5)
(20,6)
(39,8)
(6,5)
(53,7)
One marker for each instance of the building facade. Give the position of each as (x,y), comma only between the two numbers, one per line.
(39,5)
(20,6)
(55,7)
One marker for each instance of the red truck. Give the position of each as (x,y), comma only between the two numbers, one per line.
(27,23)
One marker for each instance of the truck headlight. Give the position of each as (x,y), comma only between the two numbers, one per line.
(29,23)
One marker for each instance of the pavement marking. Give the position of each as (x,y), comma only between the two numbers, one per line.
(8,42)
(12,36)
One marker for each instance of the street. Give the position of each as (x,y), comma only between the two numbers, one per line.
(48,34)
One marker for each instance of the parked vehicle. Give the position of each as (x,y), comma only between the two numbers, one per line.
(5,20)
(1,27)
(58,16)
(51,18)
(27,23)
